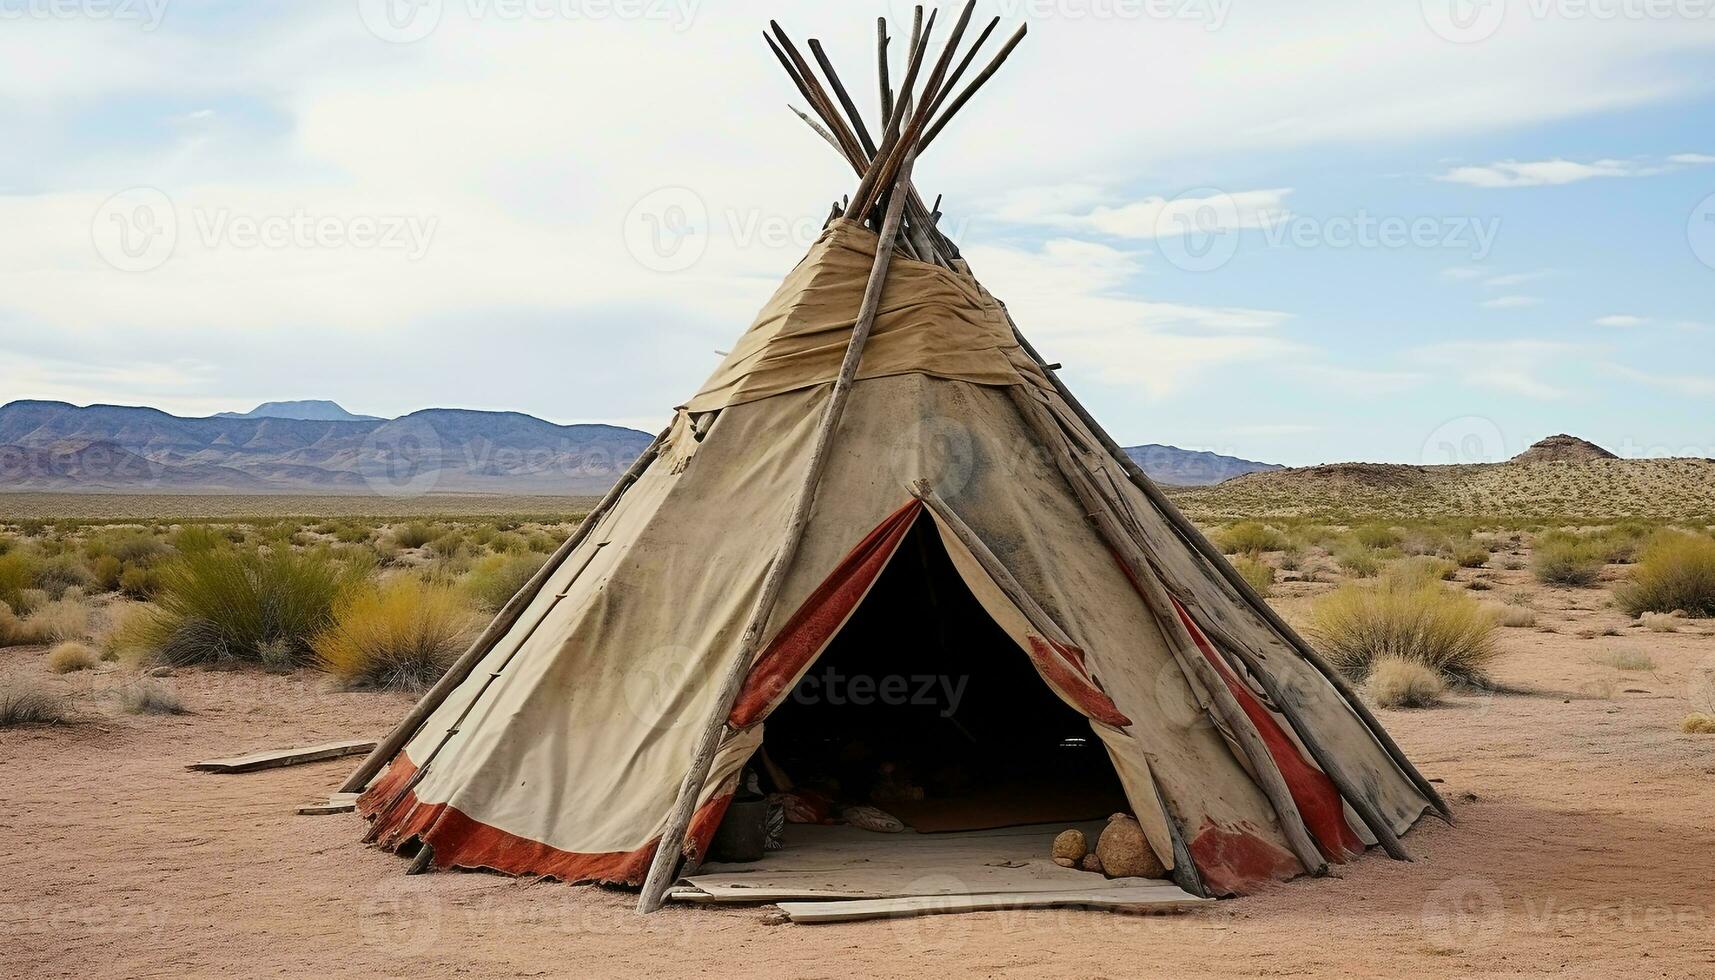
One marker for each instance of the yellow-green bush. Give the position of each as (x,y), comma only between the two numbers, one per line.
(1396,683)
(497,577)
(71,657)
(1249,538)
(1260,575)
(1358,625)
(1559,561)
(399,635)
(226,605)
(1676,570)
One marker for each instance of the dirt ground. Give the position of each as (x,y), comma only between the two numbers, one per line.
(1584,846)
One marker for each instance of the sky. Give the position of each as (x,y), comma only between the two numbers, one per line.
(1298,231)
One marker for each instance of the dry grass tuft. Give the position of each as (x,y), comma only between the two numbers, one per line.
(1515,616)
(71,657)
(1698,723)
(1674,571)
(1561,561)
(400,635)
(1357,626)
(1259,575)
(496,578)
(148,697)
(1628,660)
(23,702)
(1661,622)
(1396,683)
(1249,538)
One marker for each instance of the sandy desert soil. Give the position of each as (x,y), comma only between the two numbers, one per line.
(1584,847)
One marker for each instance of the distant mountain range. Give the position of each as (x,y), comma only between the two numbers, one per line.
(56,446)
(1190,468)
(314,409)
(318,446)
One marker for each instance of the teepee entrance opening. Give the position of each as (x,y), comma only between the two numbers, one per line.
(923,707)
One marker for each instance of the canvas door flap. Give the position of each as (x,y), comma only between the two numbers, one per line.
(1057,660)
(819,619)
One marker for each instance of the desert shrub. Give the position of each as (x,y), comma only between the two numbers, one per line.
(61,572)
(30,600)
(352,533)
(193,538)
(149,697)
(129,544)
(69,657)
(1359,561)
(1660,622)
(399,635)
(415,534)
(1420,568)
(1260,575)
(1675,571)
(1698,723)
(1426,541)
(134,633)
(17,573)
(542,541)
(1628,660)
(1620,544)
(1247,537)
(1377,536)
(447,545)
(1449,632)
(496,578)
(483,535)
(224,605)
(1515,616)
(1566,562)
(1471,555)
(106,570)
(138,582)
(25,703)
(62,619)
(1395,683)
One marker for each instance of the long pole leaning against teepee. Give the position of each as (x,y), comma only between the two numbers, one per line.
(503,621)
(668,850)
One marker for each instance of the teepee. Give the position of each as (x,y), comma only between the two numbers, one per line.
(598,728)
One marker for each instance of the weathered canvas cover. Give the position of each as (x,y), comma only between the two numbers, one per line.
(564,750)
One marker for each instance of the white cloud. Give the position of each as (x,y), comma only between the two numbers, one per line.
(1620,320)
(1691,386)
(1463,272)
(1511,302)
(1517,278)
(1070,298)
(1507,366)
(1545,173)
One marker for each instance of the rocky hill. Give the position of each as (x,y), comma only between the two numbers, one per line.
(1559,477)
(317,409)
(60,447)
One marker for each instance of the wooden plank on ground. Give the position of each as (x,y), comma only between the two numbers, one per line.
(283,757)
(337,803)
(1140,898)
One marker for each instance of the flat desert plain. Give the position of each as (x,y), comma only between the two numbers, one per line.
(1583,846)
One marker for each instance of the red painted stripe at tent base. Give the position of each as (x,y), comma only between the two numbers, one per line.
(821,615)
(1238,860)
(1317,798)
(462,842)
